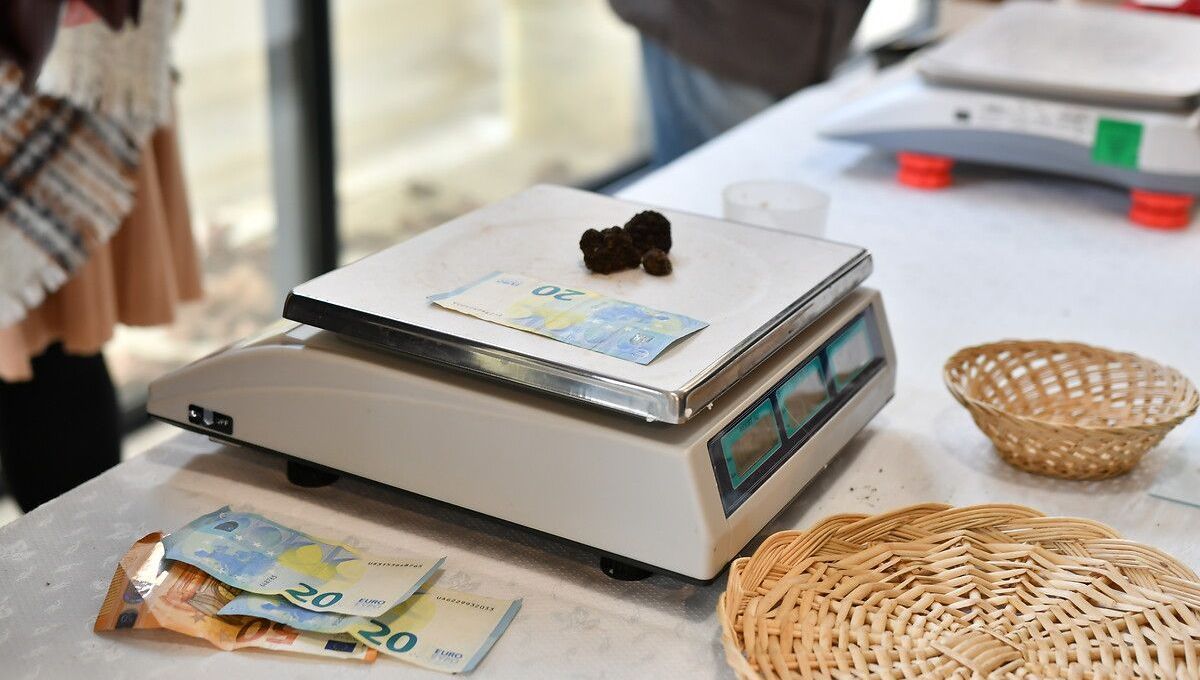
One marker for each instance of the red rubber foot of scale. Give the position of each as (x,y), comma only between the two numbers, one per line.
(923,171)
(1159,210)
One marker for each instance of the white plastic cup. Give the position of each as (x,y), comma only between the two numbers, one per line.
(788,206)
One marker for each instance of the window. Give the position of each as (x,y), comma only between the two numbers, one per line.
(444,106)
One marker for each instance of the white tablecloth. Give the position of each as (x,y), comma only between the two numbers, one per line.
(1001,254)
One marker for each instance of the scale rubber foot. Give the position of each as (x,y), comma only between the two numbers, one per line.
(1159,210)
(923,171)
(308,476)
(621,571)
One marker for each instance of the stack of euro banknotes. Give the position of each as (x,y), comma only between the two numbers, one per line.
(238,579)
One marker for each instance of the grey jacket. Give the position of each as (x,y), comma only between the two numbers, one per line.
(777,45)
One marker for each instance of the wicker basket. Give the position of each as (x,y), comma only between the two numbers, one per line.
(1069,410)
(989,591)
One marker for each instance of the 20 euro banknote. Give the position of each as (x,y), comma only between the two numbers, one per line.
(250,552)
(577,317)
(148,592)
(436,628)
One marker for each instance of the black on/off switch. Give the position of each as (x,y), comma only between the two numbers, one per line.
(209,419)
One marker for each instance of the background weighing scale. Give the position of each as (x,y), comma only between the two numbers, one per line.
(673,466)
(1105,94)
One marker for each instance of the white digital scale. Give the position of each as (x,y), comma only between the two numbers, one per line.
(672,466)
(1100,93)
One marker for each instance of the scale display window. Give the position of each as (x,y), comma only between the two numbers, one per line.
(751,441)
(802,396)
(850,353)
(760,439)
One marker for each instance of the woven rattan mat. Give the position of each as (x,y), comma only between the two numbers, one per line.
(932,591)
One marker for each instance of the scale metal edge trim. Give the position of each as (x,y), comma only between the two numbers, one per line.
(478,359)
(627,397)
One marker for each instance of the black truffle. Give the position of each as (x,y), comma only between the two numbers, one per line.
(619,242)
(591,239)
(650,229)
(608,251)
(656,262)
(599,261)
(617,248)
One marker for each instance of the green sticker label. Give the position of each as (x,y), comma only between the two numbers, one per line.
(1117,143)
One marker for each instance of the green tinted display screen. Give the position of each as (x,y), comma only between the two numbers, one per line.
(750,442)
(850,353)
(802,396)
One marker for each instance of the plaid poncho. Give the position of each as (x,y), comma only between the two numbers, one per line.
(66,182)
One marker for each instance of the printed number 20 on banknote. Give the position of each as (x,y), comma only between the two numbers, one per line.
(577,317)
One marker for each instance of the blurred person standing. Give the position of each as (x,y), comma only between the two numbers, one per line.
(94,225)
(710,64)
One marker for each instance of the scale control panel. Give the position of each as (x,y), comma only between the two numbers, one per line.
(210,419)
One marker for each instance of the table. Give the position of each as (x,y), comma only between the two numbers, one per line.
(1001,254)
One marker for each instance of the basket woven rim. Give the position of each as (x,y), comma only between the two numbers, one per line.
(1187,409)
(847,519)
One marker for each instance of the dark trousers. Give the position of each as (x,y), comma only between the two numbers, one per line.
(58,430)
